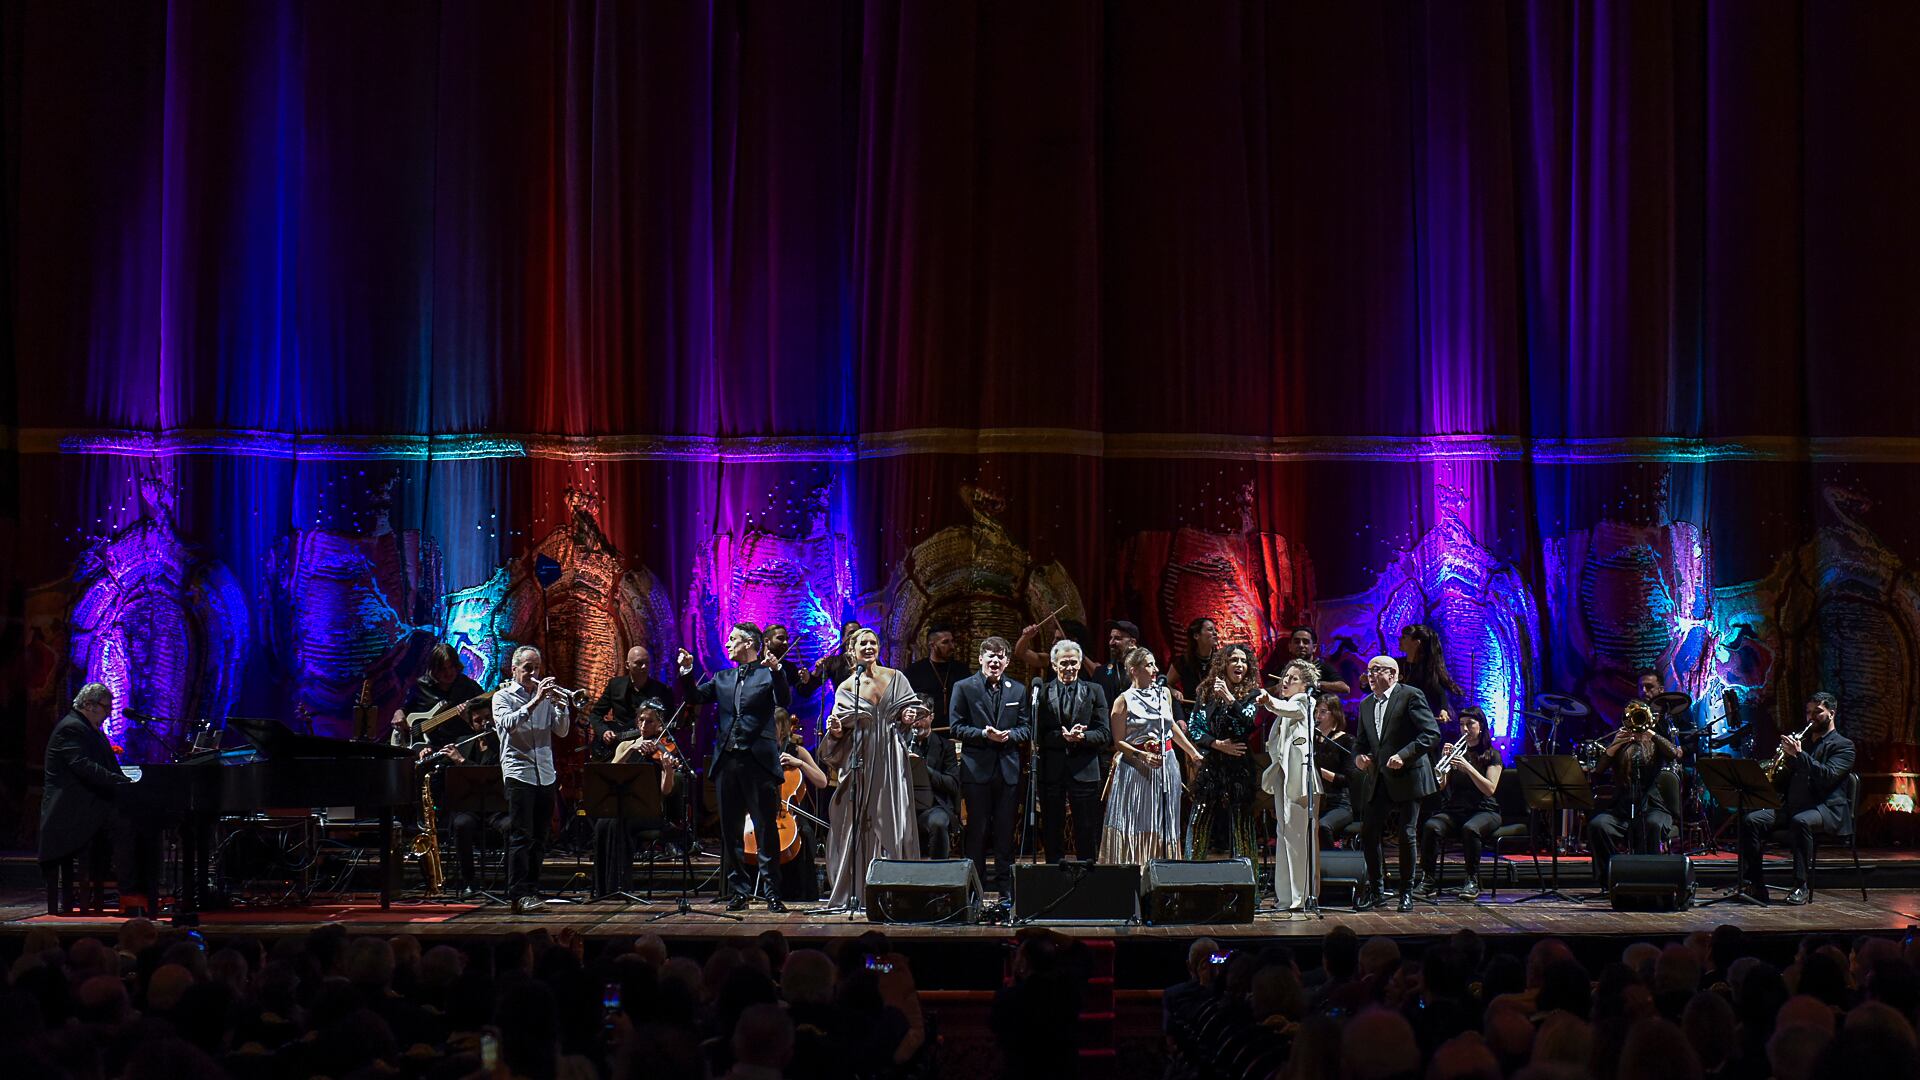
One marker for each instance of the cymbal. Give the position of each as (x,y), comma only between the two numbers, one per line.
(1670,701)
(1566,706)
(1538,718)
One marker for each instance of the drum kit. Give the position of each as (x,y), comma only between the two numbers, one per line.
(1557,722)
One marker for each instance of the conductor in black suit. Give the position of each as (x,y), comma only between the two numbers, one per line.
(1392,772)
(989,715)
(82,782)
(746,756)
(1072,730)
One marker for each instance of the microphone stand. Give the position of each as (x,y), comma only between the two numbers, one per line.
(856,768)
(1311,902)
(1029,843)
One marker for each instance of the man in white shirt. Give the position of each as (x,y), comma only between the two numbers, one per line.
(528,714)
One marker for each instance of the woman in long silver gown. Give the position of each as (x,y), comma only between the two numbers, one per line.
(1144,820)
(865,746)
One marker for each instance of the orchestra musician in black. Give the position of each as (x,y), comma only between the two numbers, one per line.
(444,685)
(936,789)
(638,739)
(1813,772)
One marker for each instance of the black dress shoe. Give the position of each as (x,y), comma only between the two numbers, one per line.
(1800,895)
(1406,901)
(737,903)
(1366,900)
(775,906)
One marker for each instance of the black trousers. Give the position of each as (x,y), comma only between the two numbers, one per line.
(469,833)
(1800,829)
(1473,829)
(614,842)
(1404,818)
(529,812)
(936,832)
(1611,832)
(991,810)
(1088,817)
(1333,824)
(745,790)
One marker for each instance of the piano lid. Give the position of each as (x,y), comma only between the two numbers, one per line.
(278,742)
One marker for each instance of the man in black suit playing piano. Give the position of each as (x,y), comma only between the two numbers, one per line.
(82,783)
(746,755)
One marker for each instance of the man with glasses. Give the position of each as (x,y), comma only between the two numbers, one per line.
(1392,772)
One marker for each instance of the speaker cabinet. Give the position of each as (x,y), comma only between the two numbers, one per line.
(931,891)
(1075,892)
(1182,891)
(1342,874)
(1650,882)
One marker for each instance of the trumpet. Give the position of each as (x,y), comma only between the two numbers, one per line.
(1639,719)
(1453,758)
(1780,756)
(572,699)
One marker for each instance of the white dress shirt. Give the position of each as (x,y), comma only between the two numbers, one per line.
(527,732)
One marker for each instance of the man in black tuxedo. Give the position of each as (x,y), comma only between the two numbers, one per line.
(746,755)
(82,783)
(989,714)
(1814,778)
(936,788)
(1072,731)
(1392,772)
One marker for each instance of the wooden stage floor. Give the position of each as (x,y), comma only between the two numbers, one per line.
(1833,911)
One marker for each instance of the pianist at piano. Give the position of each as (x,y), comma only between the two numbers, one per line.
(78,825)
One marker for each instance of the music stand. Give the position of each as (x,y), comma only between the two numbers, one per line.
(621,793)
(1741,783)
(1553,783)
(480,791)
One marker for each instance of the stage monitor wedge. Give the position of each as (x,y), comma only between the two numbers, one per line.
(1074,891)
(1181,891)
(1650,882)
(930,891)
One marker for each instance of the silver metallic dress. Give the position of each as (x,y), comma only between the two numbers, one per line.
(1143,809)
(869,760)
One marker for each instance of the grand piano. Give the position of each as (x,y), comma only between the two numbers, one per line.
(277,768)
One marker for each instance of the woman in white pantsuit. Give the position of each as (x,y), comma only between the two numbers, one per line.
(1292,785)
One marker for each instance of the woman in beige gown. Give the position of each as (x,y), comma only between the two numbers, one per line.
(865,747)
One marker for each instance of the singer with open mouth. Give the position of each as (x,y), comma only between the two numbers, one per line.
(865,744)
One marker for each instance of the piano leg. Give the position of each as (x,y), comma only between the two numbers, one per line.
(386,859)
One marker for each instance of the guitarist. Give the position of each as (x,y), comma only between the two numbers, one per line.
(622,698)
(614,839)
(444,686)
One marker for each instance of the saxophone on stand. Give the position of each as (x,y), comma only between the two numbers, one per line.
(426,846)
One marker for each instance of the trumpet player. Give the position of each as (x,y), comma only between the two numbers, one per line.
(1469,775)
(1813,771)
(1637,818)
(528,714)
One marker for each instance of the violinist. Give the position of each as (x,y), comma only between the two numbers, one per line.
(614,839)
(1333,753)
